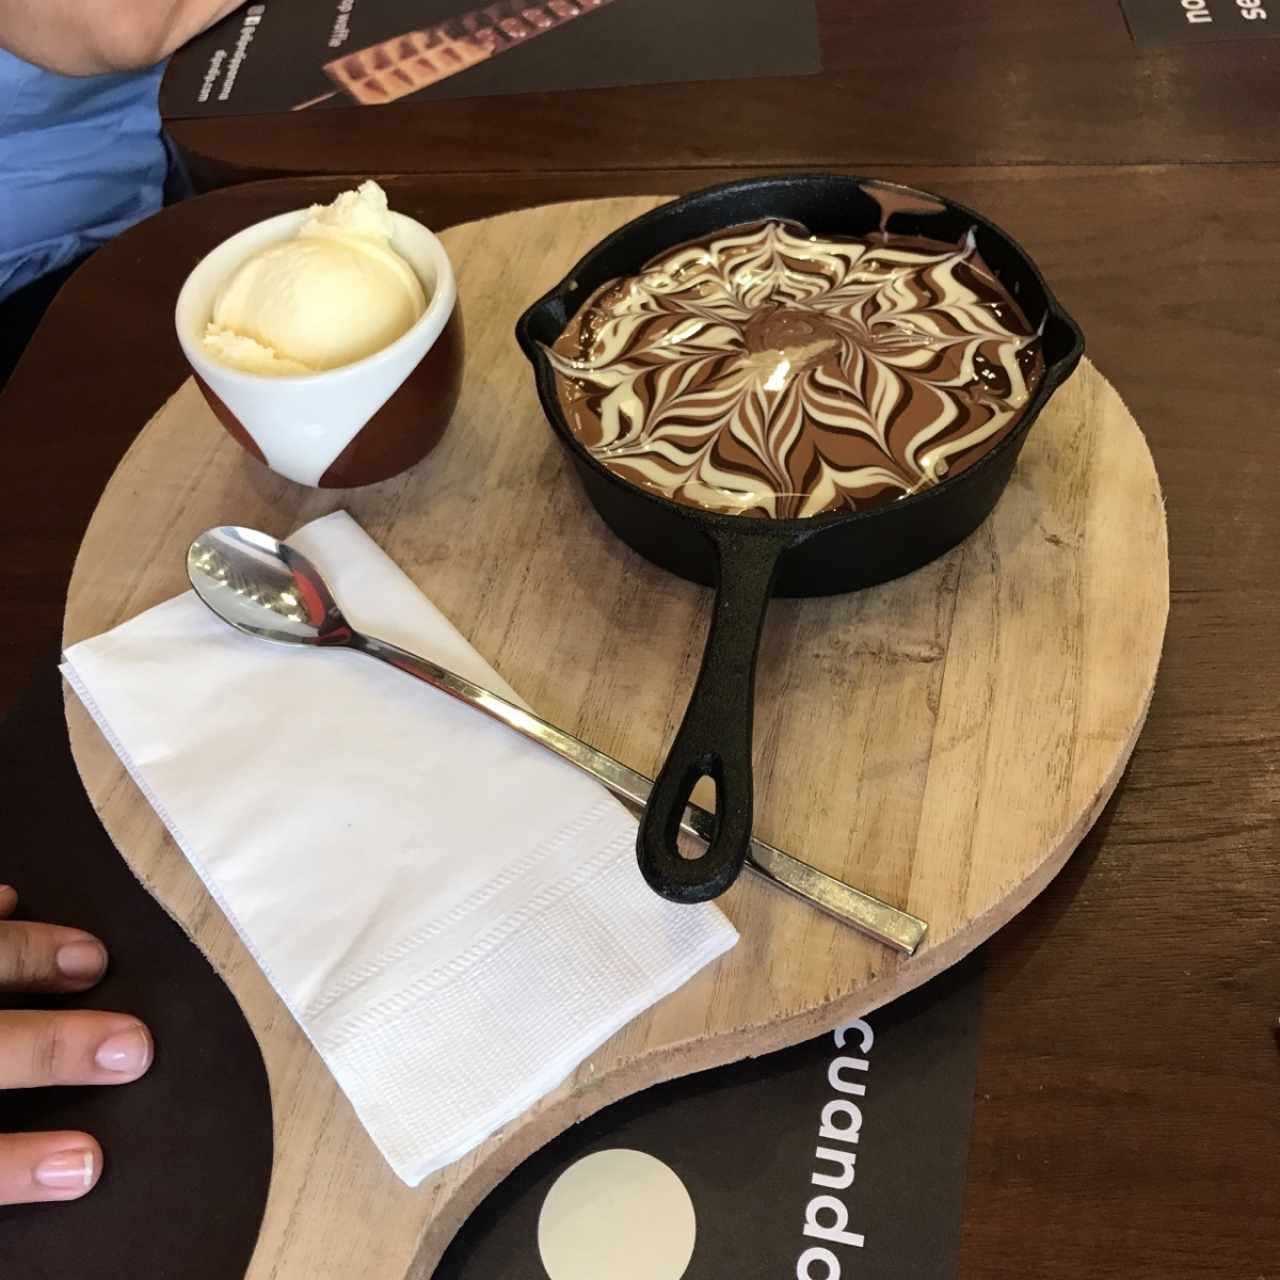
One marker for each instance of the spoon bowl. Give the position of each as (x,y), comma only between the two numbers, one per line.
(265,588)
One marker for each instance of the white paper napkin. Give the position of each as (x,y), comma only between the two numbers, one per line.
(453,915)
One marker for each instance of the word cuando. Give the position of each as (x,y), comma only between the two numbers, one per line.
(826,1217)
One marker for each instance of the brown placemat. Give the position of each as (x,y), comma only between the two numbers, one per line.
(743,1140)
(189,1147)
(266,59)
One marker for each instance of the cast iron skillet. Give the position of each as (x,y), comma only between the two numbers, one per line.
(749,559)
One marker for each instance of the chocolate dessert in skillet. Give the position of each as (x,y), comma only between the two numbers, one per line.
(764,371)
(854,364)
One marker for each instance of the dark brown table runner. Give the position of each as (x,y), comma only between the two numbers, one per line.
(187,1147)
(744,1139)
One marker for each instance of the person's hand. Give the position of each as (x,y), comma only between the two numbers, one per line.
(69,1047)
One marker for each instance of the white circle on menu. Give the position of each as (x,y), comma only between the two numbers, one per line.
(622,1214)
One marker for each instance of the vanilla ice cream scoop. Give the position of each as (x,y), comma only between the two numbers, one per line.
(334,293)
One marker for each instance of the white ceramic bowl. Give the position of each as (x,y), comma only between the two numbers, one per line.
(352,425)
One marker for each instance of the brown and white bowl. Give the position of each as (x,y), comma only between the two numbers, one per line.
(353,425)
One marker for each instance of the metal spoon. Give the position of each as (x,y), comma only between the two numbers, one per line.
(267,589)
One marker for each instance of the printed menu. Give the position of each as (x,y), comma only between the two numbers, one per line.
(290,55)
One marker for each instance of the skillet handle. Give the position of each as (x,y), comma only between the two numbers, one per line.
(715,737)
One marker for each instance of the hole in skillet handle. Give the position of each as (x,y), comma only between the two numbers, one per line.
(714,739)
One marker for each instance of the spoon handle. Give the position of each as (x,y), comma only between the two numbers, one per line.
(897,929)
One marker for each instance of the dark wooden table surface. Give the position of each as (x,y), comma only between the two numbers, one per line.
(932,82)
(1128,1110)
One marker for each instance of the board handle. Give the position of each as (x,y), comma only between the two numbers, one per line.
(714,739)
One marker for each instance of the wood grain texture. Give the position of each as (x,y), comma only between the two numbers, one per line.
(960,82)
(943,741)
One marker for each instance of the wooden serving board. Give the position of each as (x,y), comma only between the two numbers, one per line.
(943,741)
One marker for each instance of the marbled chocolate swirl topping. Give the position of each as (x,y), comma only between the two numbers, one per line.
(768,372)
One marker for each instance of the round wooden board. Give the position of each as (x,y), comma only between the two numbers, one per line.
(943,741)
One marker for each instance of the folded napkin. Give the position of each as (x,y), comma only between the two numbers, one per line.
(453,915)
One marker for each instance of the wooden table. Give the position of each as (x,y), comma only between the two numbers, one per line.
(943,82)
(1128,1109)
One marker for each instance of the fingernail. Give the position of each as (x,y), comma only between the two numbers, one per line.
(67,1171)
(81,960)
(128,1052)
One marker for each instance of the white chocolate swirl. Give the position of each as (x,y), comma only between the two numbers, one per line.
(773,373)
